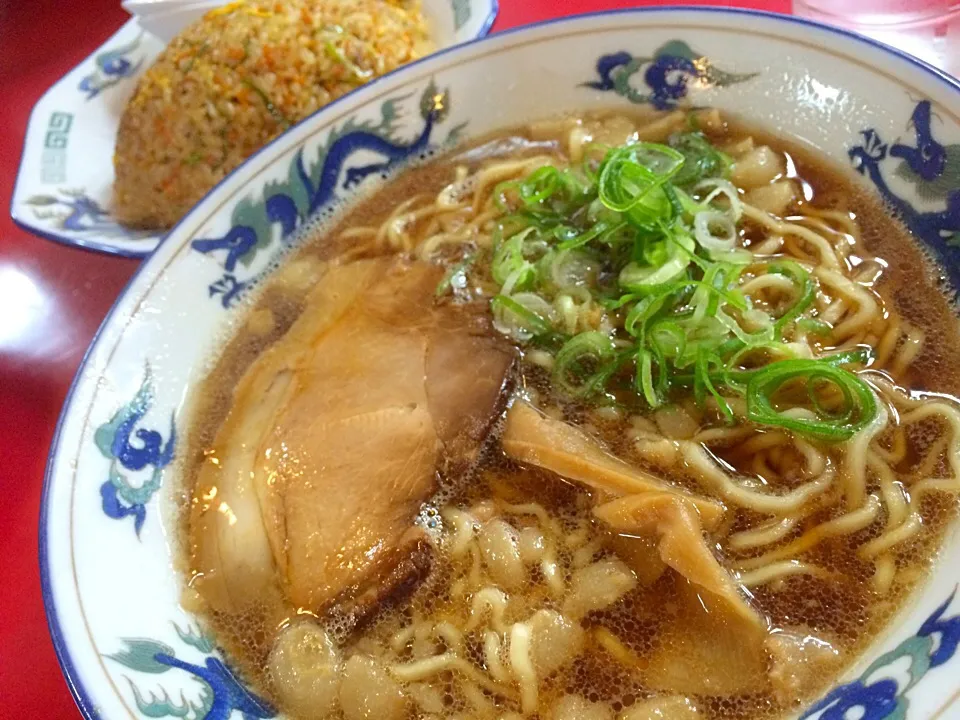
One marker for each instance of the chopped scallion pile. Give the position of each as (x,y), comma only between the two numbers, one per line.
(630,272)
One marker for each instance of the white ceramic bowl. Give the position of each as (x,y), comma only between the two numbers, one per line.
(126,646)
(64,186)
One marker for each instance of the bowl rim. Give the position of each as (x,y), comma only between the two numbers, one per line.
(81,695)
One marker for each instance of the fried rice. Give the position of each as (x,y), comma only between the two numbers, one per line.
(239,77)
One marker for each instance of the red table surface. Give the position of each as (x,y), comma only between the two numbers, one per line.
(54,300)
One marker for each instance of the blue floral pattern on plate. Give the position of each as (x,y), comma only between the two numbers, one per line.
(133,449)
(667,75)
(111,66)
(75,211)
(933,169)
(221,693)
(313,186)
(877,694)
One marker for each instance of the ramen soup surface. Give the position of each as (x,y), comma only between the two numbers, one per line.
(603,417)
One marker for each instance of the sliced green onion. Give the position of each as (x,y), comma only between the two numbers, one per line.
(688,205)
(574,185)
(704,301)
(584,363)
(650,235)
(570,269)
(715,231)
(761,336)
(637,278)
(645,309)
(702,381)
(859,407)
(701,159)
(736,378)
(861,356)
(599,229)
(805,286)
(720,187)
(645,378)
(540,185)
(669,337)
(456,277)
(630,172)
(623,184)
(674,199)
(515,318)
(814,326)
(500,190)
(508,259)
(651,209)
(662,160)
(737,256)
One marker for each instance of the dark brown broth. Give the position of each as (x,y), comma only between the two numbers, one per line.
(848,612)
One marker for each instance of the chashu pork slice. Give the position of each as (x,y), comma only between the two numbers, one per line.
(336,436)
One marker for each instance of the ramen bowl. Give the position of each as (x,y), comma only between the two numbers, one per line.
(108,536)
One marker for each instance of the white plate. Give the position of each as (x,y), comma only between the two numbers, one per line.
(64,185)
(126,645)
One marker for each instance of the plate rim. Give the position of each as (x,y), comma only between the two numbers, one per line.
(81,695)
(24,223)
